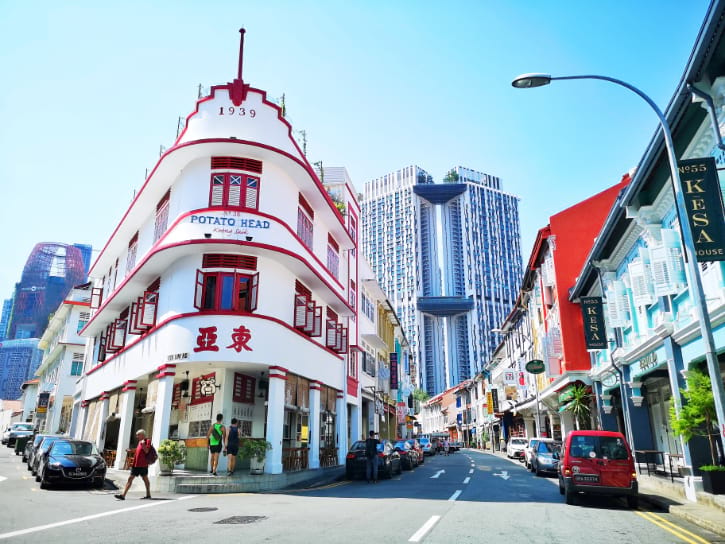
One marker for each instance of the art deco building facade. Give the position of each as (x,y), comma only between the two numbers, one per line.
(449,256)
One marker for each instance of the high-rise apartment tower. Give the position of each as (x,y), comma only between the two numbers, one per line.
(449,257)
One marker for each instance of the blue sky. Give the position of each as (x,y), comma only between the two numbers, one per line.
(91,90)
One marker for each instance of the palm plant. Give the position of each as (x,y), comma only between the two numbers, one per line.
(579,405)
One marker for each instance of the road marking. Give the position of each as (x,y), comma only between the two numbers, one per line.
(149,504)
(503,474)
(455,495)
(468,479)
(470,471)
(674,528)
(438,473)
(2,478)
(427,526)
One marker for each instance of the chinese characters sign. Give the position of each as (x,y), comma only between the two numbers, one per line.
(207,339)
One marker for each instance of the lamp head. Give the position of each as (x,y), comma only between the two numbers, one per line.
(527,81)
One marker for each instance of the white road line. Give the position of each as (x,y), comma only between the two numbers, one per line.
(470,471)
(468,479)
(427,526)
(455,495)
(2,478)
(88,518)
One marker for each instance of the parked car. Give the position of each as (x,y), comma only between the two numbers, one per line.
(428,447)
(14,431)
(529,451)
(455,445)
(388,460)
(543,460)
(72,461)
(32,447)
(515,448)
(597,462)
(408,456)
(415,445)
(41,450)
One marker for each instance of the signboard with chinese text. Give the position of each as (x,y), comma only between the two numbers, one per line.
(393,371)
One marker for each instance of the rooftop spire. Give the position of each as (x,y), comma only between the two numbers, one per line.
(241,53)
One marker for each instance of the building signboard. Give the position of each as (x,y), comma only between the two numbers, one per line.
(393,371)
(593,317)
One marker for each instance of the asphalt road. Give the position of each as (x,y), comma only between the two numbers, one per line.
(465,497)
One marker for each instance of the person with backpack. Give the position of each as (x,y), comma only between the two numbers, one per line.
(371,458)
(232,448)
(217,437)
(145,455)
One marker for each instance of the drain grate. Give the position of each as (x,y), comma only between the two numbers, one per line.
(203,509)
(240,520)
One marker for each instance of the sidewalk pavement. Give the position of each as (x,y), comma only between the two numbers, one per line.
(708,512)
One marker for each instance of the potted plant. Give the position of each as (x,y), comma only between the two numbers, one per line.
(171,452)
(255,449)
(696,418)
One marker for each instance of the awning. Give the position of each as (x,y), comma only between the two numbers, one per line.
(565,407)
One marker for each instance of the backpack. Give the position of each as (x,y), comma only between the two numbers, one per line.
(151,455)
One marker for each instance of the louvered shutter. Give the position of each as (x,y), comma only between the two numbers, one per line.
(300,311)
(253,292)
(640,282)
(317,326)
(235,191)
(251,193)
(217,190)
(118,340)
(133,319)
(331,335)
(310,317)
(147,312)
(96,297)
(199,290)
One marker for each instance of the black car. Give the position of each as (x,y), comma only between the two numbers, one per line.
(408,456)
(40,451)
(388,460)
(16,430)
(31,447)
(72,461)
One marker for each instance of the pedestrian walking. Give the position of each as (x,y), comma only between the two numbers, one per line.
(446,446)
(371,458)
(217,437)
(232,446)
(140,466)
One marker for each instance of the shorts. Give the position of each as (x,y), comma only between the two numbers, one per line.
(215,449)
(139,471)
(232,451)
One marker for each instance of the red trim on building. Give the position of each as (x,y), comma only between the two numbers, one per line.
(315,385)
(352,384)
(169,366)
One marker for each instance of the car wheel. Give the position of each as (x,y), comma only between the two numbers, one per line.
(632,501)
(400,467)
(389,470)
(37,476)
(537,471)
(43,482)
(569,496)
(99,483)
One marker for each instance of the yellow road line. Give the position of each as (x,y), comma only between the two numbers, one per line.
(673,528)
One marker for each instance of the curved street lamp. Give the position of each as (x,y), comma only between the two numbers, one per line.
(526,81)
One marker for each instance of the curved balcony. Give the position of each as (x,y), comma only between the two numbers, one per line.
(439,193)
(444,306)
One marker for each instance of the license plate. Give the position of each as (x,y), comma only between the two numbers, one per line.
(78,474)
(587,477)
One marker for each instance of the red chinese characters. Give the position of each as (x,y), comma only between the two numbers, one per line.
(207,339)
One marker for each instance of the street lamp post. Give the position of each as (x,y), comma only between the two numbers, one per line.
(526,81)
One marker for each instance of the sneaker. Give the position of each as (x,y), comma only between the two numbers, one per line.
(146,497)
(120,497)
(213,473)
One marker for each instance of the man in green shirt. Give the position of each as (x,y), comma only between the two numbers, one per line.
(217,437)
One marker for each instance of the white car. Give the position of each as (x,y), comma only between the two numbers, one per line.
(530,451)
(515,448)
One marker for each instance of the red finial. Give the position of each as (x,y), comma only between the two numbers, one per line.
(241,53)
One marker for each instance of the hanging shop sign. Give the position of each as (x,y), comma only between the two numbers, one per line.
(704,204)
(646,364)
(535,366)
(489,402)
(494,399)
(593,314)
(43,400)
(393,371)
(509,377)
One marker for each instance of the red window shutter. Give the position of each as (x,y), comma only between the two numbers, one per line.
(343,340)
(154,285)
(147,312)
(251,193)
(253,291)
(300,311)
(333,243)
(244,387)
(195,389)
(96,297)
(164,200)
(134,240)
(331,338)
(123,314)
(199,290)
(133,320)
(317,327)
(331,314)
(216,198)
(101,348)
(119,334)
(310,317)
(223,260)
(110,334)
(236,163)
(234,200)
(176,397)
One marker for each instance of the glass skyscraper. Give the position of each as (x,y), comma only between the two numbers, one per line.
(448,255)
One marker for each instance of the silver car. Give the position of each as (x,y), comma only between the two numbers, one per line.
(543,460)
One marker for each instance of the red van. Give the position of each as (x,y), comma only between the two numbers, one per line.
(597,462)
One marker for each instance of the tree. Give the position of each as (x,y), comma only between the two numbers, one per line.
(579,405)
(451,177)
(697,414)
(420,395)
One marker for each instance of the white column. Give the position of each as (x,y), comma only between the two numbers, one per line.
(82,407)
(275,418)
(77,416)
(100,438)
(314,422)
(126,407)
(162,413)
(355,422)
(341,427)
